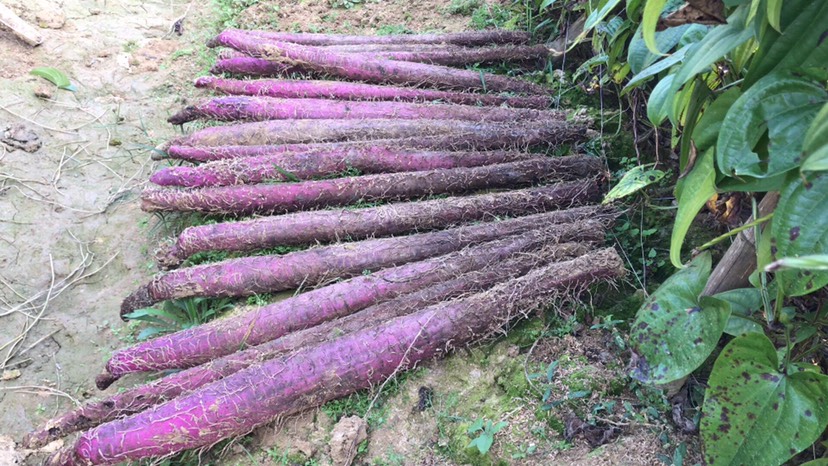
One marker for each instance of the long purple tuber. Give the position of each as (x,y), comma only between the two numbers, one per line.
(392,219)
(139,398)
(247,276)
(299,89)
(250,66)
(361,68)
(200,344)
(274,132)
(238,108)
(314,375)
(472,38)
(294,166)
(290,197)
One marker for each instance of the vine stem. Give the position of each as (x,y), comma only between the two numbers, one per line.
(735,231)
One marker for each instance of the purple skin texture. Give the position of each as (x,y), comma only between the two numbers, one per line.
(323,226)
(488,137)
(199,344)
(473,38)
(361,68)
(247,108)
(250,66)
(338,90)
(305,166)
(311,376)
(291,197)
(139,398)
(314,131)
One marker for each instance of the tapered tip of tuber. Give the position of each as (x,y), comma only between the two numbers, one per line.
(38,438)
(213,43)
(103,381)
(137,300)
(63,457)
(203,81)
(166,256)
(185,115)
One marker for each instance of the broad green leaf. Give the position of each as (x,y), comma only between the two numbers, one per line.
(819,462)
(744,303)
(652,13)
(55,76)
(718,42)
(691,193)
(775,14)
(640,57)
(748,184)
(800,228)
(779,104)
(660,101)
(681,103)
(815,145)
(707,130)
(756,414)
(596,16)
(803,44)
(675,330)
(656,68)
(633,181)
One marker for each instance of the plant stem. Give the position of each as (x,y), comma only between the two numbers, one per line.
(735,231)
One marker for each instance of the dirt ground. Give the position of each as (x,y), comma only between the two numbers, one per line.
(74,243)
(72,240)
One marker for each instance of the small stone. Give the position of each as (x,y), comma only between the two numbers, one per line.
(305,448)
(44,92)
(9,455)
(21,137)
(347,434)
(50,19)
(95,11)
(10,374)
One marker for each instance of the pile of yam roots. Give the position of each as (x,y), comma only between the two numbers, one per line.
(470,225)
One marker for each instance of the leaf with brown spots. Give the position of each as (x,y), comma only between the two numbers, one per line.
(800,228)
(756,414)
(675,331)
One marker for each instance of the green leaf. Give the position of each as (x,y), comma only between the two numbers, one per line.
(744,303)
(707,129)
(640,57)
(818,462)
(716,44)
(815,144)
(483,443)
(656,68)
(675,330)
(755,414)
(660,101)
(775,14)
(476,426)
(632,181)
(691,193)
(800,228)
(54,76)
(779,104)
(596,16)
(652,13)
(802,45)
